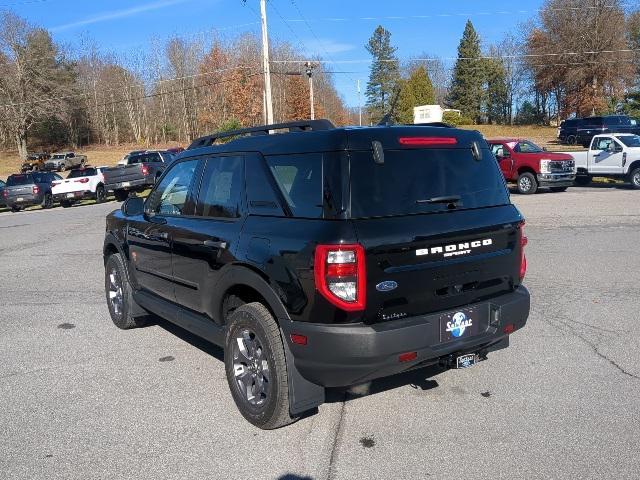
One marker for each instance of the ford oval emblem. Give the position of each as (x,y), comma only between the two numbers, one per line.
(386,286)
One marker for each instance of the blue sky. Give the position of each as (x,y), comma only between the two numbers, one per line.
(335,29)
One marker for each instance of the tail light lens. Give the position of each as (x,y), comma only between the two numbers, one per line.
(340,275)
(145,170)
(523,259)
(5,194)
(82,180)
(36,189)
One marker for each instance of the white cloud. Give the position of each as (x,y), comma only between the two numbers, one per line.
(324,47)
(114,14)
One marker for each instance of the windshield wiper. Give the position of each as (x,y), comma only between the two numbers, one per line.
(444,199)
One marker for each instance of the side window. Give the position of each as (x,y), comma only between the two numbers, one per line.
(221,188)
(71,155)
(497,149)
(299,177)
(171,194)
(603,143)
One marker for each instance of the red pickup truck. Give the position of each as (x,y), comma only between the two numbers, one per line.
(530,167)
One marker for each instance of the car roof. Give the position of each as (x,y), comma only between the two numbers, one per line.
(333,139)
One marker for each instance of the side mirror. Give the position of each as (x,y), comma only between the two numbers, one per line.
(133,206)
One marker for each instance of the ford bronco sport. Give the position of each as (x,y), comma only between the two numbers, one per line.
(324,257)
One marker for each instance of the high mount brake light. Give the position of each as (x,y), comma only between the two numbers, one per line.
(340,275)
(427,141)
(523,259)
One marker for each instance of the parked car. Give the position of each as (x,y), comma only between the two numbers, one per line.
(592,126)
(614,155)
(35,161)
(125,160)
(64,161)
(2,185)
(568,130)
(141,172)
(80,184)
(26,189)
(530,167)
(324,257)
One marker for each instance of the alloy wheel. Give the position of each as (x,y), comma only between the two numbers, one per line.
(116,298)
(525,184)
(251,368)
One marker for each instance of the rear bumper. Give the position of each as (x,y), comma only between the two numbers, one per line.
(556,179)
(342,355)
(82,195)
(25,200)
(130,185)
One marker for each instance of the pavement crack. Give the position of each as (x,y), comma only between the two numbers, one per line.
(331,473)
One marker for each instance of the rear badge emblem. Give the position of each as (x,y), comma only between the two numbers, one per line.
(386,286)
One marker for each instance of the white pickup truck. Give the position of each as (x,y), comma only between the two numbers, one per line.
(612,155)
(80,184)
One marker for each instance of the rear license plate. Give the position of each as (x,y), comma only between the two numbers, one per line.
(70,195)
(19,199)
(125,184)
(460,324)
(466,361)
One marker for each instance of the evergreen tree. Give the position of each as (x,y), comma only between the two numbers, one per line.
(415,91)
(496,94)
(384,76)
(468,76)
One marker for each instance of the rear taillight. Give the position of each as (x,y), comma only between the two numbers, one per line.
(36,189)
(82,180)
(5,194)
(523,259)
(340,275)
(145,170)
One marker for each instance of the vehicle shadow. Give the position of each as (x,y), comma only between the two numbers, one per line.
(419,379)
(186,336)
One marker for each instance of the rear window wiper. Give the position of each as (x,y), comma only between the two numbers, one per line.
(444,199)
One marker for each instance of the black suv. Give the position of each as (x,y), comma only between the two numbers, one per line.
(568,130)
(324,257)
(591,126)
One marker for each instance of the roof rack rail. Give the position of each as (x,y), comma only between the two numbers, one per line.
(299,126)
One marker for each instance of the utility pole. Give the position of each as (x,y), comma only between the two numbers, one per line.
(265,64)
(309,66)
(359,106)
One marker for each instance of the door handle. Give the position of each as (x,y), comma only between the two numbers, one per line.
(215,244)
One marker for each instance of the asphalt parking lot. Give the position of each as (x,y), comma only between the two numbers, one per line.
(81,399)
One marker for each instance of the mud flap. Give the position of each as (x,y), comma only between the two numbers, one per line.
(303,395)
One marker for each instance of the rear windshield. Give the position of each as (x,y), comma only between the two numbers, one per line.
(410,182)
(86,172)
(58,156)
(14,180)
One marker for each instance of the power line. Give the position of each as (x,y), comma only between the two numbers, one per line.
(481,57)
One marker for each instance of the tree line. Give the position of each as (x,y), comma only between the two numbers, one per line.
(575,58)
(174,91)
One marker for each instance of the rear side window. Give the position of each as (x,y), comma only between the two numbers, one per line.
(299,178)
(14,180)
(221,187)
(409,179)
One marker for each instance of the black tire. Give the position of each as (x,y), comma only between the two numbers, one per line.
(571,140)
(101,194)
(63,167)
(119,294)
(558,189)
(262,394)
(65,203)
(527,183)
(15,209)
(121,195)
(47,201)
(583,180)
(634,178)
